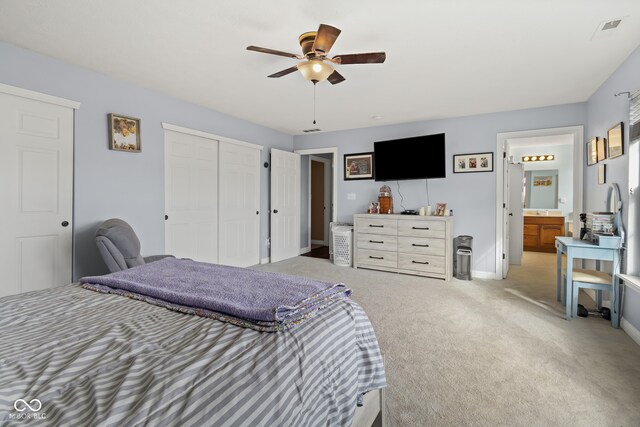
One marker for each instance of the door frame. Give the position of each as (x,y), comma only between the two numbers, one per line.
(334,187)
(577,133)
(327,180)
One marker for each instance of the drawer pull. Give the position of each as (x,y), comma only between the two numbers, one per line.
(418,262)
(421,246)
(376,257)
(420,228)
(376,226)
(376,241)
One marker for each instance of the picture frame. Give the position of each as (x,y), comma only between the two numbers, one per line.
(592,151)
(473,162)
(441,208)
(602,176)
(358,166)
(124,133)
(615,135)
(602,149)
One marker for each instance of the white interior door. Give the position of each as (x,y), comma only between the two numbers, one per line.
(285,205)
(36,176)
(191,196)
(516,205)
(239,205)
(505,218)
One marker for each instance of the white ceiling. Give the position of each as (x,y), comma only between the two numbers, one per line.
(444,58)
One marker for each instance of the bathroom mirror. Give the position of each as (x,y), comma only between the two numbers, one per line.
(541,189)
(614,205)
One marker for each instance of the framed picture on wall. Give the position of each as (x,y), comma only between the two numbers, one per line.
(475,162)
(358,166)
(602,171)
(124,133)
(592,151)
(602,149)
(616,140)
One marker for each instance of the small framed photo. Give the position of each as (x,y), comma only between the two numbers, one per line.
(124,133)
(374,208)
(616,141)
(358,166)
(592,151)
(602,149)
(476,162)
(440,209)
(602,174)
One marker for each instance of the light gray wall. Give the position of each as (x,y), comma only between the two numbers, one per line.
(116,184)
(603,111)
(471,196)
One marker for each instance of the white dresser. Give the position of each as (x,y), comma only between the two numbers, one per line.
(409,244)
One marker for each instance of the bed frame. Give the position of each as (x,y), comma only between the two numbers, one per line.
(372,408)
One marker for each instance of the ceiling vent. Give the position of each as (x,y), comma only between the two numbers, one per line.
(606,28)
(311,130)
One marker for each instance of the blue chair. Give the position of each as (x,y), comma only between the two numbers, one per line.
(599,281)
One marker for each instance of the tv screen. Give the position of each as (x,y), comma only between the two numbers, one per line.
(419,157)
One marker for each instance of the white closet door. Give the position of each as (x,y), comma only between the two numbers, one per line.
(36,172)
(285,205)
(191,197)
(239,205)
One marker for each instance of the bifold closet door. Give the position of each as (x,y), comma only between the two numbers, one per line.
(36,176)
(191,196)
(239,175)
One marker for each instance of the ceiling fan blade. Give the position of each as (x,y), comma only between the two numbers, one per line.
(284,72)
(271,51)
(325,38)
(361,58)
(335,78)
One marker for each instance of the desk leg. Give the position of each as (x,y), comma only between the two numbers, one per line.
(568,299)
(616,303)
(559,272)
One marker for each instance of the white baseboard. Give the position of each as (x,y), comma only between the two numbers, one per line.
(266,260)
(483,275)
(630,330)
(305,250)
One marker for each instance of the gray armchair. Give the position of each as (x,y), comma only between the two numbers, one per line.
(120,247)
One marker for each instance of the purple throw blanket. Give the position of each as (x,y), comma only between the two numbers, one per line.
(268,301)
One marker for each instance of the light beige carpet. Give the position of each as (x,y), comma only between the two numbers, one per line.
(488,352)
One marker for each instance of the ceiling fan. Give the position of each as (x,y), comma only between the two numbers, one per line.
(315,65)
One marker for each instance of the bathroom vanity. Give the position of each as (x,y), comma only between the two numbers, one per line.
(540,231)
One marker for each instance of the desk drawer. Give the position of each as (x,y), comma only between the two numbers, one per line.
(379,242)
(421,245)
(377,258)
(421,228)
(377,226)
(426,263)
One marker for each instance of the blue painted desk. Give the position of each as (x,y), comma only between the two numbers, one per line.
(575,248)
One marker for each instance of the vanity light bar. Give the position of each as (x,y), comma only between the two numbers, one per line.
(541,158)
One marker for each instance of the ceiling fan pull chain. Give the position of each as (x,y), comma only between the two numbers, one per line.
(314,103)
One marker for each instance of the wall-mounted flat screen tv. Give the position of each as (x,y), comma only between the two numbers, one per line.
(420,157)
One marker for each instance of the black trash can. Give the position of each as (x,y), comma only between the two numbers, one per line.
(462,257)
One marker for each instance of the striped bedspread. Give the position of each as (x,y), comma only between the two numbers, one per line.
(77,357)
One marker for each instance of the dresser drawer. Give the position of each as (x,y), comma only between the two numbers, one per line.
(421,228)
(421,245)
(379,242)
(426,263)
(377,226)
(377,258)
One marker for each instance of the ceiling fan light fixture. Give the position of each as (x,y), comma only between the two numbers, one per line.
(315,70)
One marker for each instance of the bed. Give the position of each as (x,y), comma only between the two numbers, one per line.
(93,358)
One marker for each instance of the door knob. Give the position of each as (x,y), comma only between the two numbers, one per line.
(166,217)
(257,212)
(65,223)
(510,214)
(275,211)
